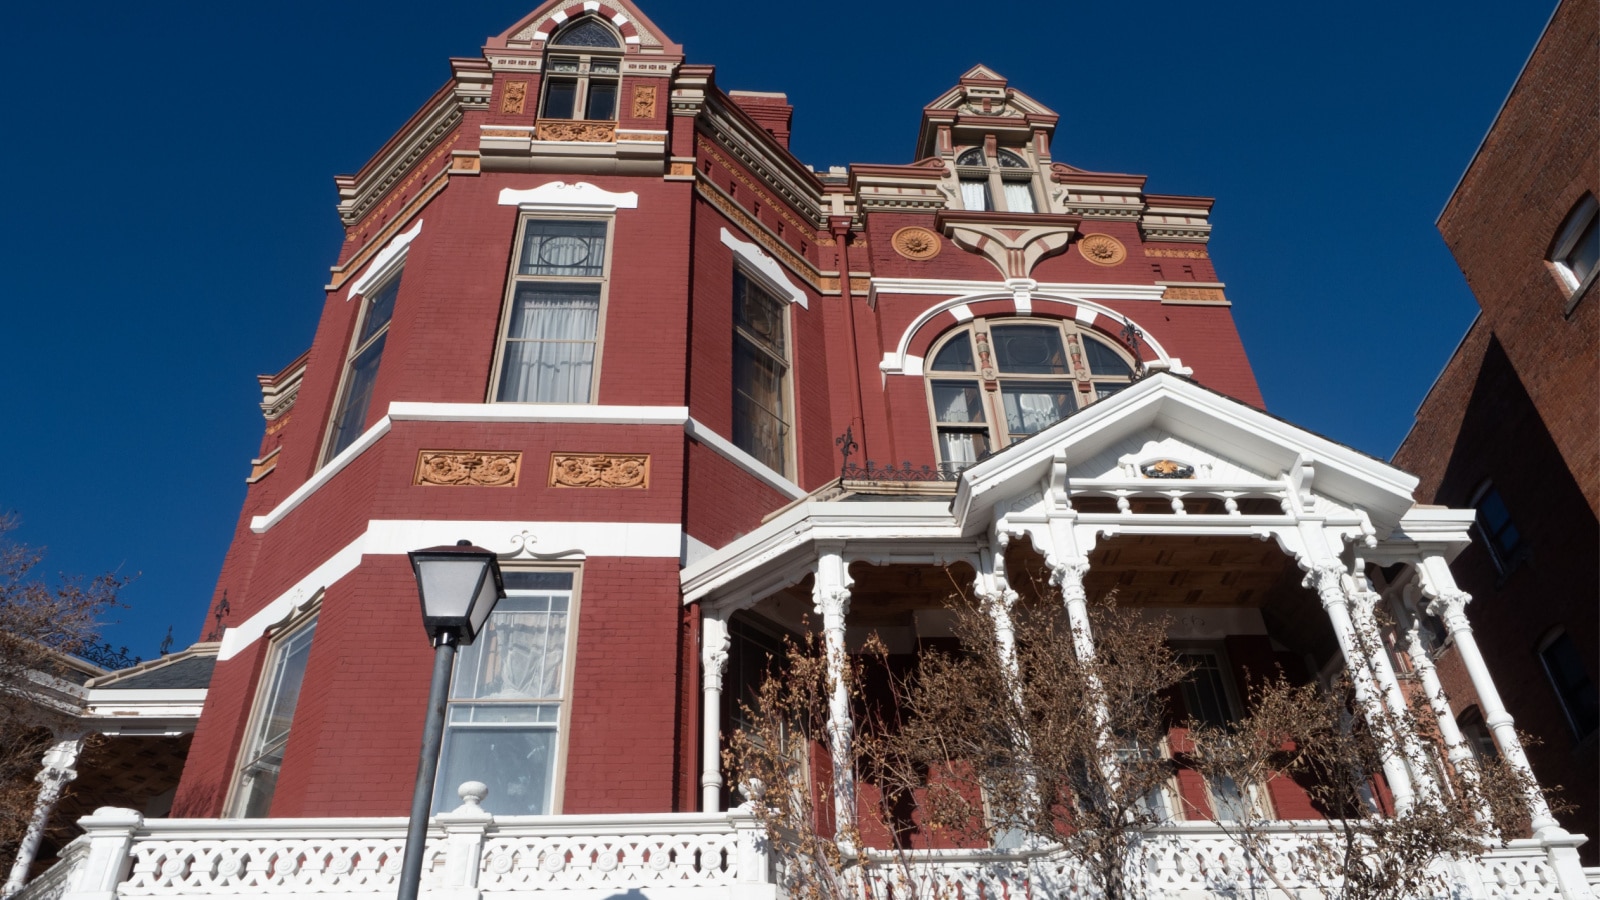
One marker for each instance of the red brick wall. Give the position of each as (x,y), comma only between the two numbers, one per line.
(1541,156)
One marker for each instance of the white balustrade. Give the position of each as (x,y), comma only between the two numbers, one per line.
(697,856)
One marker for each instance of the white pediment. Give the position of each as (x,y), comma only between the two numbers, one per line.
(1165,431)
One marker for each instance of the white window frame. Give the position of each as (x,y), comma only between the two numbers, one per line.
(765,273)
(444,793)
(995,177)
(530,215)
(1583,214)
(300,626)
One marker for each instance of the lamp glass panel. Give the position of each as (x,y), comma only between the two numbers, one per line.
(449,586)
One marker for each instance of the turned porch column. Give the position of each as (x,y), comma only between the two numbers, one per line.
(831,595)
(1449,603)
(1327,578)
(714,645)
(56,773)
(1068,574)
(1455,744)
(1423,775)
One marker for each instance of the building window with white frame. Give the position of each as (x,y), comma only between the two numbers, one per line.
(1575,690)
(993,382)
(761,417)
(262,756)
(361,370)
(1006,176)
(505,717)
(1575,255)
(551,327)
(582,67)
(1210,697)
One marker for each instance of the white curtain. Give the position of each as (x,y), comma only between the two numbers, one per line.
(549,356)
(1019,196)
(975,194)
(1033,410)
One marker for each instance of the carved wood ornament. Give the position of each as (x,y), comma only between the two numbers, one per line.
(600,470)
(463,468)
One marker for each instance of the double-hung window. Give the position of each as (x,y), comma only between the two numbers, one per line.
(1007,177)
(761,417)
(361,371)
(262,757)
(1500,534)
(1209,695)
(505,719)
(550,333)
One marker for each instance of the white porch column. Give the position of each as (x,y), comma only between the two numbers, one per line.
(998,599)
(53,777)
(1455,745)
(713,664)
(831,594)
(1327,578)
(1370,637)
(1068,574)
(1449,603)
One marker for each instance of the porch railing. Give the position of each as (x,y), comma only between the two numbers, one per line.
(722,856)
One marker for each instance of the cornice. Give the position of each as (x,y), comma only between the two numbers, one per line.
(733,129)
(358,193)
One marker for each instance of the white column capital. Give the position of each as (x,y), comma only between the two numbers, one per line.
(714,644)
(1068,573)
(1327,579)
(1449,605)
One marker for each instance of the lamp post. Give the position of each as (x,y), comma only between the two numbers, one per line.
(459,587)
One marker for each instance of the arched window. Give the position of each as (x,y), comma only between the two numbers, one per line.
(1007,176)
(992,382)
(582,67)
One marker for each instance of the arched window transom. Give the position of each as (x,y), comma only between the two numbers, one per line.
(582,70)
(992,382)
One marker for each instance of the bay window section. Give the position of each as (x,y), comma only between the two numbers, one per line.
(504,721)
(550,339)
(760,374)
(262,758)
(361,371)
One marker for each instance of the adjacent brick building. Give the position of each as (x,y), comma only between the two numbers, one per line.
(1512,426)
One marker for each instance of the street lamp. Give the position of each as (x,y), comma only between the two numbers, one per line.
(459,587)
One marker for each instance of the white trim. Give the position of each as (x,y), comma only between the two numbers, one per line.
(1086,316)
(558,196)
(894,362)
(572,413)
(951,286)
(386,263)
(765,266)
(727,450)
(1024,302)
(538,541)
(567,413)
(260,524)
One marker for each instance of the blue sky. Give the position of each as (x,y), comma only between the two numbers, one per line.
(170,204)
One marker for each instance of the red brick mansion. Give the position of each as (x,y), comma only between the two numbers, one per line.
(592,314)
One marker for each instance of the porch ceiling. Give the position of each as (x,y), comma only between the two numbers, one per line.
(1149,570)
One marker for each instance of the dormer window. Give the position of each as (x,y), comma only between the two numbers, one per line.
(1006,177)
(582,69)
